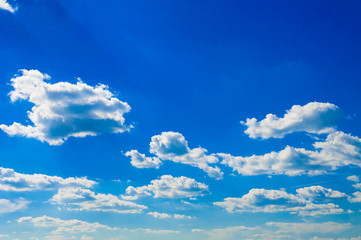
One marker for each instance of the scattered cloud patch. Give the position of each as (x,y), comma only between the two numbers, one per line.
(8,206)
(64,226)
(19,182)
(139,160)
(152,231)
(172,146)
(337,150)
(353,178)
(224,233)
(165,215)
(304,228)
(62,110)
(79,199)
(168,187)
(159,215)
(6,6)
(314,117)
(307,202)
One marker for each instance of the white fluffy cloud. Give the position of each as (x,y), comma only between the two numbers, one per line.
(7,206)
(168,187)
(64,226)
(339,149)
(304,228)
(79,199)
(172,146)
(62,110)
(139,160)
(314,117)
(304,203)
(6,6)
(356,197)
(19,182)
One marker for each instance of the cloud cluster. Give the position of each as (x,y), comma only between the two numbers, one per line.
(307,202)
(172,146)
(139,160)
(79,199)
(19,182)
(305,228)
(314,117)
(64,226)
(62,110)
(166,215)
(224,233)
(168,187)
(6,6)
(7,206)
(337,150)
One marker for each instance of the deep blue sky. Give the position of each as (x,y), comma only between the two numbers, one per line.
(193,67)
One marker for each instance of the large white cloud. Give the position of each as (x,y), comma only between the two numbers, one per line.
(19,182)
(172,146)
(168,187)
(62,110)
(337,150)
(6,6)
(79,199)
(314,117)
(64,226)
(139,160)
(307,202)
(7,206)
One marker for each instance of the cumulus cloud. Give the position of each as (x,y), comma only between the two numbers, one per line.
(353,178)
(305,228)
(337,150)
(64,226)
(6,6)
(314,117)
(62,110)
(79,199)
(168,187)
(19,182)
(272,201)
(139,160)
(172,146)
(8,206)
(356,197)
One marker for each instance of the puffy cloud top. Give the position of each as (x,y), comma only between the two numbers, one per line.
(139,160)
(168,187)
(64,110)
(314,117)
(173,146)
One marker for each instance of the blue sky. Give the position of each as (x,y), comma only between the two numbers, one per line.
(180,120)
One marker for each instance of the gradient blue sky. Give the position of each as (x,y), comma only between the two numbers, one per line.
(187,77)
